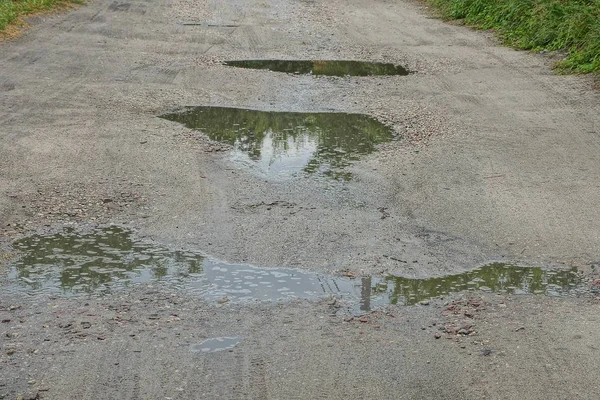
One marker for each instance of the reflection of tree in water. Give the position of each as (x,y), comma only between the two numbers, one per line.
(86,261)
(328,68)
(339,138)
(497,277)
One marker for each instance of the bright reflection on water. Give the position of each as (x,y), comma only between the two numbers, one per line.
(102,260)
(284,144)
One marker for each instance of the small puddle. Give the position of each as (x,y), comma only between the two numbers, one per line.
(286,144)
(215,344)
(322,67)
(103,260)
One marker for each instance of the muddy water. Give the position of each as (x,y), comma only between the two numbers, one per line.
(286,144)
(73,263)
(323,67)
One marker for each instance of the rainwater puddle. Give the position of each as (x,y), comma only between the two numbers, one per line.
(215,344)
(286,144)
(73,262)
(323,67)
(99,261)
(495,277)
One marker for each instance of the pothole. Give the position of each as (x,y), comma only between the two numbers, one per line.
(286,144)
(323,67)
(103,260)
(494,277)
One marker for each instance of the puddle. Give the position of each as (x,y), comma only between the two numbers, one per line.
(495,277)
(286,144)
(103,260)
(215,344)
(96,261)
(323,67)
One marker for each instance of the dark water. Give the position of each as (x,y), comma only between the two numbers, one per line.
(322,67)
(103,260)
(284,144)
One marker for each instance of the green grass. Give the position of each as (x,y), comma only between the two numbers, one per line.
(11,10)
(572,26)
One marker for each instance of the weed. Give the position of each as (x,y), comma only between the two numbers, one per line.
(572,26)
(12,10)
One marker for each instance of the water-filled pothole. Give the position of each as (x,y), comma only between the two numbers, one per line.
(103,260)
(495,277)
(323,67)
(284,144)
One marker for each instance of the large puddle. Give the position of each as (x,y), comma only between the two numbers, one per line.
(323,67)
(73,263)
(286,144)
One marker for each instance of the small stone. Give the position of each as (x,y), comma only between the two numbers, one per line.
(424,302)
(437,335)
(223,300)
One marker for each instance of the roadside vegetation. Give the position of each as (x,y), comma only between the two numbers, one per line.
(570,26)
(12,10)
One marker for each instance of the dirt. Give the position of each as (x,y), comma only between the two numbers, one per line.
(495,158)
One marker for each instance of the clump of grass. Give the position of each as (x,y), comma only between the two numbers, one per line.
(12,10)
(572,26)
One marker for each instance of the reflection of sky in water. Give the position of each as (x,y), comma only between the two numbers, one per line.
(278,161)
(103,260)
(244,282)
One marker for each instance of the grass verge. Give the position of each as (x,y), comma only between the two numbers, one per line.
(571,26)
(11,11)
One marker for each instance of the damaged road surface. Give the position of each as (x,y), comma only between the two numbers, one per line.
(293,199)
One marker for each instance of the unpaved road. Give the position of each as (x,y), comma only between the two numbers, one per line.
(497,159)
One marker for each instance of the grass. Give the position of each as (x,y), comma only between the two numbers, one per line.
(570,26)
(11,11)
